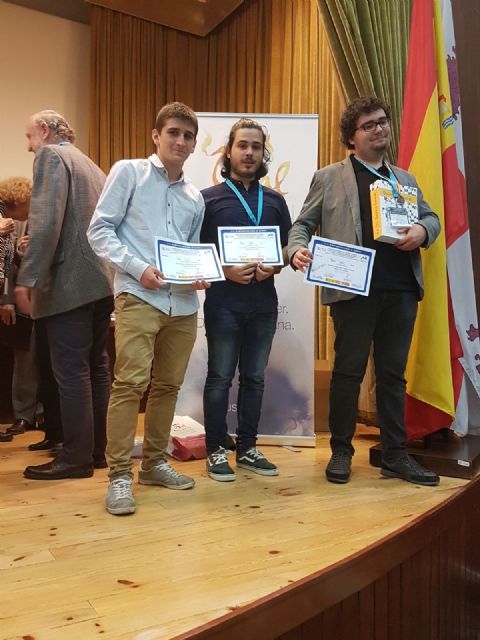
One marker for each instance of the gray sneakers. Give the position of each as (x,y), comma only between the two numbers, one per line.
(164,475)
(120,500)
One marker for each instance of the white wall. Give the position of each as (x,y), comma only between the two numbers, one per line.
(44,64)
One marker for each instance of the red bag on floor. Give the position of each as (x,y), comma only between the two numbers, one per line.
(187,439)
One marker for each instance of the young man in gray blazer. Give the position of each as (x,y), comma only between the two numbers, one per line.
(64,286)
(338,204)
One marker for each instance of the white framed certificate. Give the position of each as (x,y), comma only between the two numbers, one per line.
(239,245)
(185,262)
(338,265)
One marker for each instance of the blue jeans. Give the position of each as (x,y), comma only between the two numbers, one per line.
(235,338)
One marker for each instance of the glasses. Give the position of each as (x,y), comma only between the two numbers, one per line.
(371,125)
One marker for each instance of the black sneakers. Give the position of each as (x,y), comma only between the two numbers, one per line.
(406,468)
(254,460)
(339,467)
(218,467)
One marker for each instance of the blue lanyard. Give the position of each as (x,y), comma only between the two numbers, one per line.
(246,206)
(392,180)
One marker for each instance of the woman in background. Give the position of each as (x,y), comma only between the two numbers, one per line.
(27,385)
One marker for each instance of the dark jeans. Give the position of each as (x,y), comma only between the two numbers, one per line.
(48,389)
(235,338)
(385,318)
(79,358)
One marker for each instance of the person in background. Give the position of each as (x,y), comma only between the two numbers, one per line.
(15,193)
(34,390)
(63,285)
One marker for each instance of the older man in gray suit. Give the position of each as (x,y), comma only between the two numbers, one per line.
(338,204)
(66,287)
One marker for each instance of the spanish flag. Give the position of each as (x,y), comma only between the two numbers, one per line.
(427,149)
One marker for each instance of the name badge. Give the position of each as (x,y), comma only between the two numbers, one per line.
(398,217)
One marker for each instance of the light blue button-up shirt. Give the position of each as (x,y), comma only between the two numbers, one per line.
(138,203)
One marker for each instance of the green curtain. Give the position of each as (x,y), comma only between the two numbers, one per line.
(369,44)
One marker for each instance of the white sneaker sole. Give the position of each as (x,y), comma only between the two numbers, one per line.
(187,485)
(222,477)
(120,511)
(261,472)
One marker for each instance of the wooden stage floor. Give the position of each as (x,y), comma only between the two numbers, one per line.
(69,570)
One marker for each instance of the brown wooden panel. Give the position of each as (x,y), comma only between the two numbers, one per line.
(472,576)
(395,604)
(443,586)
(191,16)
(295,634)
(367,613)
(381,608)
(331,623)
(435,598)
(350,615)
(312,629)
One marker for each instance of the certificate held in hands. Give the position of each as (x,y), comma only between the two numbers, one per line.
(241,245)
(338,265)
(184,262)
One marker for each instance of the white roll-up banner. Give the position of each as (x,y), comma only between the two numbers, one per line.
(287,410)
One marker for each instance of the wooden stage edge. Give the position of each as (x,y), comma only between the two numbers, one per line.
(291,557)
(423,581)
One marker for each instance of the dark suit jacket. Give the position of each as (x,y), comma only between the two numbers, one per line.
(332,205)
(59,264)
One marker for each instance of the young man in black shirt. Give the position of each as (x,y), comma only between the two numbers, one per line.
(241,312)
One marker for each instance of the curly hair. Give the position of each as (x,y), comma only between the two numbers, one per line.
(176,110)
(15,190)
(357,108)
(57,124)
(245,123)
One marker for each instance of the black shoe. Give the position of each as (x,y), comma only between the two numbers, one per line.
(254,460)
(55,450)
(20,426)
(406,468)
(5,437)
(45,445)
(339,467)
(100,463)
(218,467)
(57,470)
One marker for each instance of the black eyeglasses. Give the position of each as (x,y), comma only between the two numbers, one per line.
(371,125)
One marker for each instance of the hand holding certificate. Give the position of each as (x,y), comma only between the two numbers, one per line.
(338,265)
(241,245)
(185,263)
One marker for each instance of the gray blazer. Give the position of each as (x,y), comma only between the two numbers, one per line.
(59,264)
(332,205)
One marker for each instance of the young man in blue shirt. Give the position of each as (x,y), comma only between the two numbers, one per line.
(155,322)
(241,312)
